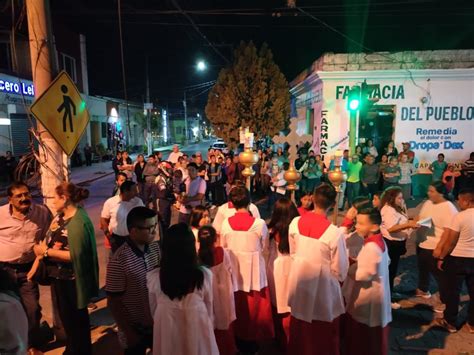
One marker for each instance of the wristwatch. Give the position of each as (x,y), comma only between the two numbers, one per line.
(45,255)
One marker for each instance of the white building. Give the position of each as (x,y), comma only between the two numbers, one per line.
(425,98)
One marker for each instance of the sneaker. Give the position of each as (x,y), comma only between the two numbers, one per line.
(439,308)
(441,322)
(422,294)
(470,328)
(396,305)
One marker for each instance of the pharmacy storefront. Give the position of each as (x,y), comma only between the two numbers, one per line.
(16,95)
(432,109)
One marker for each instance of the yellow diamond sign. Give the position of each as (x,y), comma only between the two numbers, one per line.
(62,111)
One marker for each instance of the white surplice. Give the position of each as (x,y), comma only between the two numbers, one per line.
(366,289)
(246,244)
(223,286)
(278,272)
(320,263)
(182,326)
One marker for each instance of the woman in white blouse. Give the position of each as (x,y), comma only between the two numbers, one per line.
(395,228)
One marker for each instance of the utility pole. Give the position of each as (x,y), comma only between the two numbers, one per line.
(54,163)
(148,112)
(185,119)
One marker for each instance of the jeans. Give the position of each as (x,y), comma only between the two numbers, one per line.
(396,249)
(406,191)
(456,271)
(29,295)
(164,211)
(311,184)
(353,191)
(427,265)
(371,189)
(75,321)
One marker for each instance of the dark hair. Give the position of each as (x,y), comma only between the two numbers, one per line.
(303,194)
(469,191)
(196,215)
(440,155)
(239,196)
(377,193)
(16,185)
(121,174)
(283,213)
(357,146)
(126,186)
(324,196)
(361,202)
(201,168)
(388,198)
(374,215)
(192,165)
(151,156)
(179,272)
(138,215)
(72,192)
(207,237)
(440,188)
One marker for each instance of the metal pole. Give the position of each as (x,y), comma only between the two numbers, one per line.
(185,119)
(148,111)
(54,164)
(352,131)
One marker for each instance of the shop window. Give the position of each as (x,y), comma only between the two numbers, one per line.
(103,127)
(68,64)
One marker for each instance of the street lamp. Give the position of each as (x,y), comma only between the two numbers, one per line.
(201,65)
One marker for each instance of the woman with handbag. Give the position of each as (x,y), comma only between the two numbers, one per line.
(69,256)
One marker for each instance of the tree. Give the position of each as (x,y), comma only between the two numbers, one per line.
(251,92)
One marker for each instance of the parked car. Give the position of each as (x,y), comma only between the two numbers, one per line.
(220,145)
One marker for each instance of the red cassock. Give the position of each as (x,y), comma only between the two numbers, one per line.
(246,237)
(320,263)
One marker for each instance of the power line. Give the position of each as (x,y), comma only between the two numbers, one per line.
(175,3)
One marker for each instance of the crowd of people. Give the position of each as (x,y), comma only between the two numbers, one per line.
(234,282)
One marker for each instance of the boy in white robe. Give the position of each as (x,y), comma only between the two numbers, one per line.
(320,264)
(246,237)
(367,290)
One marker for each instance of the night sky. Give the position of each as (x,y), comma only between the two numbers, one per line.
(156,28)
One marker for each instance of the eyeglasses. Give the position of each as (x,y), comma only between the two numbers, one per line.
(150,229)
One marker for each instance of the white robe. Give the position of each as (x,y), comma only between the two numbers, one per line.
(223,287)
(182,326)
(224,211)
(246,249)
(278,272)
(367,290)
(319,265)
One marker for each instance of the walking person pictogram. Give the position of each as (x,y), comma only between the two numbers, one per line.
(66,106)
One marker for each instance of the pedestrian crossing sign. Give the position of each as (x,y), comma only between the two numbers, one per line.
(62,111)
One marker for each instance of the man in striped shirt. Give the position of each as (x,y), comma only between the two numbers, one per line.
(127,293)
